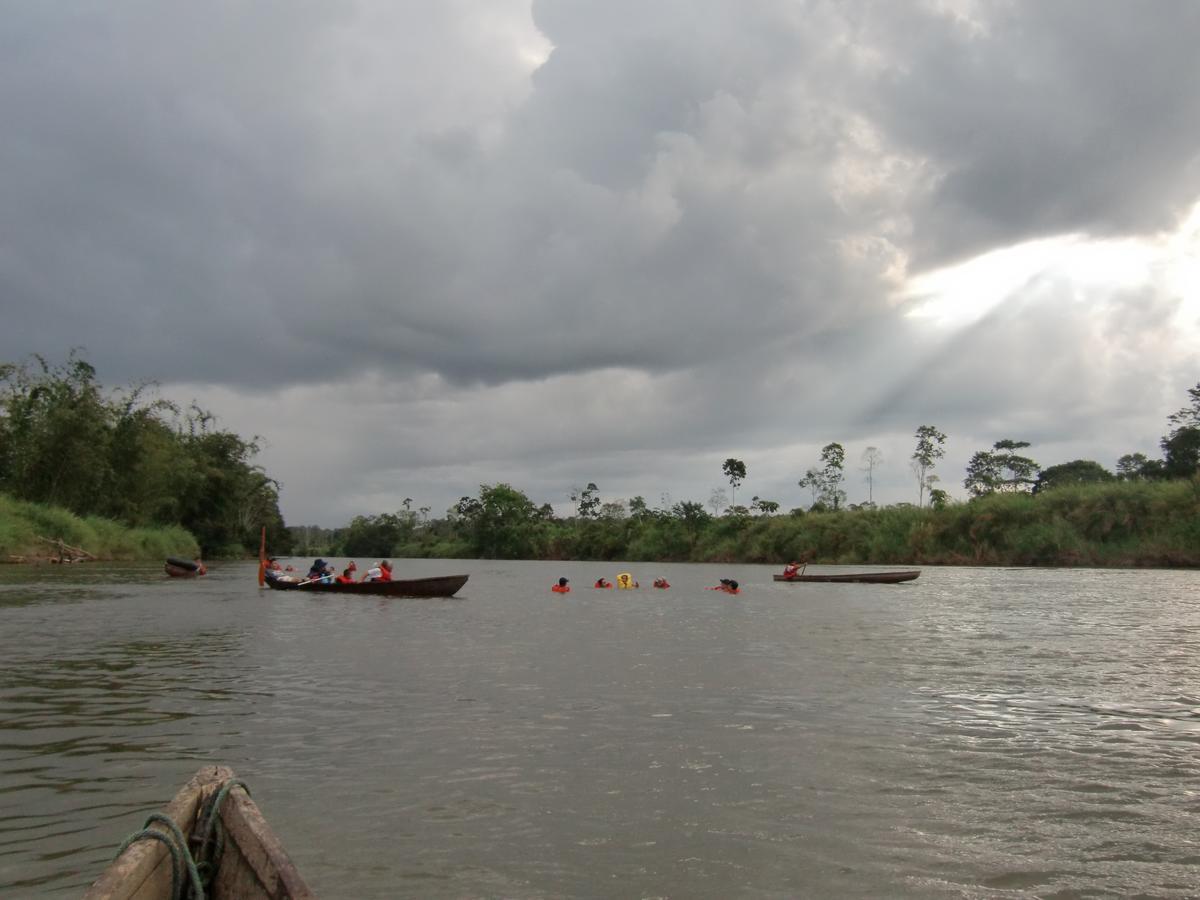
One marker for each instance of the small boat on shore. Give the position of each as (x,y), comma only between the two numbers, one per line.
(183,568)
(854,577)
(227,841)
(438,586)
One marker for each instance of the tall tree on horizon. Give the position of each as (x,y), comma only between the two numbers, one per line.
(930,448)
(735,471)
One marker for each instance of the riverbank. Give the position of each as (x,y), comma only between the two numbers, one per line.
(36,533)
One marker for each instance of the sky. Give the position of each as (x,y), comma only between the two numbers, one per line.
(420,246)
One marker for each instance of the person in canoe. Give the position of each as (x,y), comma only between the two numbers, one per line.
(562,587)
(381,571)
(602,583)
(317,569)
(791,570)
(347,576)
(661,583)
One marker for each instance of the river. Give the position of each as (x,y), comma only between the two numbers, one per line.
(975,733)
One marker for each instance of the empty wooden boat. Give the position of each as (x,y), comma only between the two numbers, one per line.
(236,855)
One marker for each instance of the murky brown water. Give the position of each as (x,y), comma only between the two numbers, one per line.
(977,733)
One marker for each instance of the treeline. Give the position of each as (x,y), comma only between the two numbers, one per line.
(1075,513)
(128,457)
(1118,523)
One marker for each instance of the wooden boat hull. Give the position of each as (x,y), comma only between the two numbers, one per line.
(253,864)
(182,568)
(438,586)
(854,577)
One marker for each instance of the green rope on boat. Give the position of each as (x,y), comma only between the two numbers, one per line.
(210,840)
(176,845)
(202,866)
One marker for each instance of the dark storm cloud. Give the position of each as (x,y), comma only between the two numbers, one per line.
(1041,118)
(585,237)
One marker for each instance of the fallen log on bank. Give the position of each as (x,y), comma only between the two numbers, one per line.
(67,553)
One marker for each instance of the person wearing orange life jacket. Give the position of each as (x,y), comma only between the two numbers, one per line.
(728,585)
(562,587)
(345,577)
(602,583)
(661,583)
(791,570)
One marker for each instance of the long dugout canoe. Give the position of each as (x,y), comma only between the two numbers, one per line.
(252,864)
(439,586)
(856,577)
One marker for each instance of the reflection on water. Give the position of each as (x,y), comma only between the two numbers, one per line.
(973,733)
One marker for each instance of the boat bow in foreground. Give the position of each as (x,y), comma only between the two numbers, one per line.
(242,858)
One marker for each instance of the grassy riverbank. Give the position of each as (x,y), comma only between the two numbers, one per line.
(24,526)
(1116,525)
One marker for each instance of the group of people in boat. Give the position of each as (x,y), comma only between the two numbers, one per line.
(324,573)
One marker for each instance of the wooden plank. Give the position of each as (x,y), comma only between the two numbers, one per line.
(262,853)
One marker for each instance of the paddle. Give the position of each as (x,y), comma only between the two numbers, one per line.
(262,558)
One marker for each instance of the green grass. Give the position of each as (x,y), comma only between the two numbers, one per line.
(23,525)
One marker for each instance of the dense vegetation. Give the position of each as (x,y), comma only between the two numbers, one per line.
(1074,513)
(129,459)
(25,528)
(127,476)
(1115,523)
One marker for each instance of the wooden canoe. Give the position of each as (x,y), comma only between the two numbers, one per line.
(182,568)
(855,577)
(252,864)
(438,586)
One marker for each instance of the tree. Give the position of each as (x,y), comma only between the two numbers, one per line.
(1188,416)
(1181,452)
(1181,446)
(1132,466)
(613,509)
(766,507)
(833,460)
(871,458)
(735,471)
(929,450)
(1078,471)
(587,500)
(812,481)
(693,517)
(717,500)
(1000,469)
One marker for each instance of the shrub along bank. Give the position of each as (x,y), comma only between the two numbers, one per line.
(25,526)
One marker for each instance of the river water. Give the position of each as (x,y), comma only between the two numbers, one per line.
(975,733)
